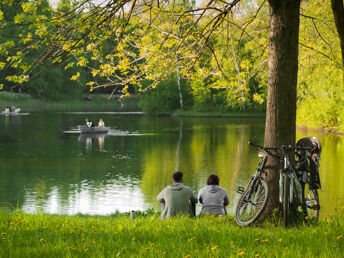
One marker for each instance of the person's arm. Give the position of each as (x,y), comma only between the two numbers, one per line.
(200,196)
(226,199)
(193,198)
(161,196)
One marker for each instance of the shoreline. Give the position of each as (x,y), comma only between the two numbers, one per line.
(329,130)
(101,103)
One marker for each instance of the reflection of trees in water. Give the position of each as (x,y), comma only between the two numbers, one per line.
(178,145)
(207,148)
(38,160)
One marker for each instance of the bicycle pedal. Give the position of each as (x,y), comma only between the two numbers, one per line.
(316,207)
(240,190)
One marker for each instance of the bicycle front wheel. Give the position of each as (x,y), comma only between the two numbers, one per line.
(285,199)
(311,203)
(252,203)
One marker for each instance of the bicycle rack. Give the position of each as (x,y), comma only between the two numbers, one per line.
(240,190)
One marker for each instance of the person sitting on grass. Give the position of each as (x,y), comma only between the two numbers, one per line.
(213,197)
(177,198)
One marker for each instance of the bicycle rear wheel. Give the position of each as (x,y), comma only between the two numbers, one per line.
(311,205)
(285,199)
(252,203)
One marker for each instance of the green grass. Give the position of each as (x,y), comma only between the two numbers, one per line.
(42,235)
(219,114)
(30,104)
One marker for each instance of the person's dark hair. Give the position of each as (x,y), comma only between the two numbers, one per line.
(213,180)
(177,176)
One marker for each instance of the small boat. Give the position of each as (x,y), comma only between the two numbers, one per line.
(93,129)
(12,111)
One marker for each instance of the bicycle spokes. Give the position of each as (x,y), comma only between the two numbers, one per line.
(252,203)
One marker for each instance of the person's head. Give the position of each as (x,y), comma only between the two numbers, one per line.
(86,119)
(177,177)
(213,180)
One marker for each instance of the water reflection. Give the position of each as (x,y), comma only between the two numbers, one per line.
(40,170)
(112,197)
(90,138)
(202,148)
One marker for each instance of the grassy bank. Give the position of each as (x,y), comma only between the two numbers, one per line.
(97,103)
(219,114)
(39,235)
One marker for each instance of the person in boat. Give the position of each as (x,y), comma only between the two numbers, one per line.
(89,123)
(101,123)
(177,198)
(213,197)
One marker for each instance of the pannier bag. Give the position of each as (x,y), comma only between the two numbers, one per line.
(308,160)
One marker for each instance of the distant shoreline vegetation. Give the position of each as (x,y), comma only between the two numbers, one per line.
(82,103)
(101,102)
(40,235)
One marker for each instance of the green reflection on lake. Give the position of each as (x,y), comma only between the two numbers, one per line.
(42,168)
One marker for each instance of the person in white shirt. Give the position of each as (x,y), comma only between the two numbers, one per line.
(101,123)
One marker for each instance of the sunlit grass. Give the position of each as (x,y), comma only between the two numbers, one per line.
(30,104)
(24,235)
(220,114)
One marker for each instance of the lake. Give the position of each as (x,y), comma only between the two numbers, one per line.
(47,166)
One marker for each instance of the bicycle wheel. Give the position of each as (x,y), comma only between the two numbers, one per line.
(285,199)
(310,205)
(252,203)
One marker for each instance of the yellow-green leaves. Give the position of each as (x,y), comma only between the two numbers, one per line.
(17,78)
(29,7)
(258,98)
(82,61)
(75,77)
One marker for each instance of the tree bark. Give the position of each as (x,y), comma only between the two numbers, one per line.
(338,14)
(280,125)
(179,90)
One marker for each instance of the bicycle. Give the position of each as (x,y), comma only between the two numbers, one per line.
(293,187)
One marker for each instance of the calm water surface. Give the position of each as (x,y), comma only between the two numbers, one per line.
(46,166)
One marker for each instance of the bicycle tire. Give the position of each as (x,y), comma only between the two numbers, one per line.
(310,204)
(252,203)
(285,199)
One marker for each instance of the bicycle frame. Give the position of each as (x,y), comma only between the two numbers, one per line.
(257,174)
(294,182)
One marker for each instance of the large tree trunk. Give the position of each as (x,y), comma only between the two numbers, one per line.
(280,125)
(338,13)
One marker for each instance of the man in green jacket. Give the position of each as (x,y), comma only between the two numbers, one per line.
(178,198)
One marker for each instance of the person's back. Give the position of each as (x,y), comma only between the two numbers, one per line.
(213,197)
(178,198)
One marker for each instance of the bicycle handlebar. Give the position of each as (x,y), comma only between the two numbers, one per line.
(285,149)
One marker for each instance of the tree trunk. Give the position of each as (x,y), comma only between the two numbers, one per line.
(280,125)
(338,14)
(180,90)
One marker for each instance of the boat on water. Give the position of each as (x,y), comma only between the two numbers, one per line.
(93,129)
(12,111)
